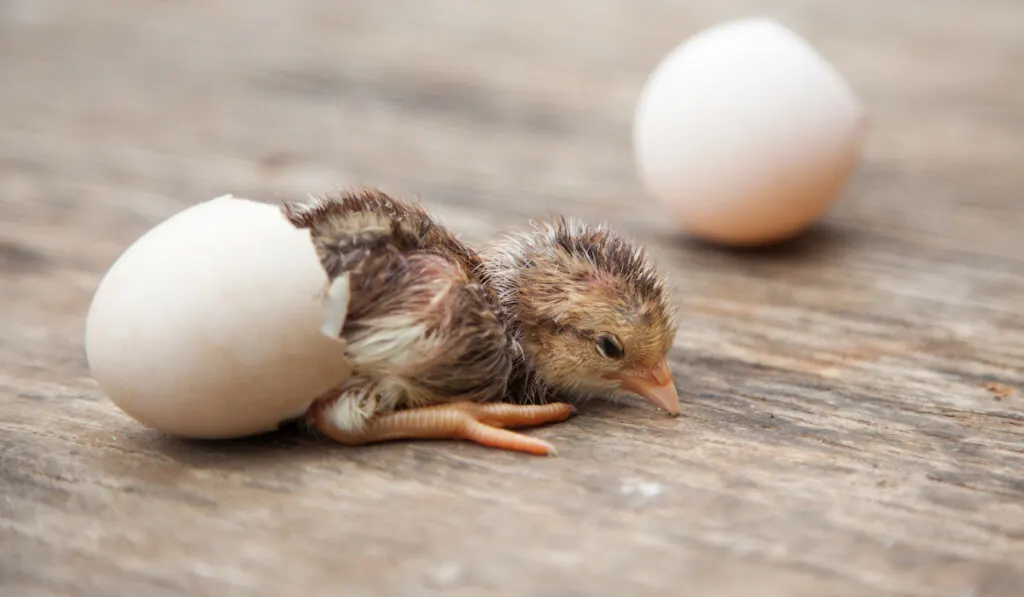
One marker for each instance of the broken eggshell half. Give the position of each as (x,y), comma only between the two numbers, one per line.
(209,325)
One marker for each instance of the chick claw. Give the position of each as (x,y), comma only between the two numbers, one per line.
(481,423)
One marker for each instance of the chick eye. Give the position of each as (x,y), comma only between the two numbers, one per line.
(609,346)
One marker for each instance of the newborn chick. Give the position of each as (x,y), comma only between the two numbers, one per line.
(426,347)
(588,312)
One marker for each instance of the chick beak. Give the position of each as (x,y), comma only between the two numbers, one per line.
(655,387)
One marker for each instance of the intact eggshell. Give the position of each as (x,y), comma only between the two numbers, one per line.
(207,326)
(746,134)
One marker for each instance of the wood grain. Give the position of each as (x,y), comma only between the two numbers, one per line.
(839,436)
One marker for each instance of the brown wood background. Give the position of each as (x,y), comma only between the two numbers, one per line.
(838,436)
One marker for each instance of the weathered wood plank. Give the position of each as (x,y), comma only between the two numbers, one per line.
(841,433)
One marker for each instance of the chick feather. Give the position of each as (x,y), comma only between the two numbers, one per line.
(418,330)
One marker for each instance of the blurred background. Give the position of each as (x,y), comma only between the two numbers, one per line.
(117,113)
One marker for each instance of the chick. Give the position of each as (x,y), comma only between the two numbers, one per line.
(588,313)
(429,356)
(436,333)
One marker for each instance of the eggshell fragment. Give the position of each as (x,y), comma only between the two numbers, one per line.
(208,325)
(746,133)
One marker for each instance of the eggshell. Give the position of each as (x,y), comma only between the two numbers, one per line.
(207,326)
(746,134)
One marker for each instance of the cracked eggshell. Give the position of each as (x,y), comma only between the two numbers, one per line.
(746,134)
(208,325)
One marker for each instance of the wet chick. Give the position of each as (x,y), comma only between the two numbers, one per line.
(428,353)
(588,314)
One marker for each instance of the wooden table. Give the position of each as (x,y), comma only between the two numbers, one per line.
(852,419)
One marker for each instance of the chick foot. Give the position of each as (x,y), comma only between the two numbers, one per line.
(484,424)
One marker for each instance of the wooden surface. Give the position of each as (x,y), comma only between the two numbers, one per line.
(841,432)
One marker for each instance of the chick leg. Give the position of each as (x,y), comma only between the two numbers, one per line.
(481,423)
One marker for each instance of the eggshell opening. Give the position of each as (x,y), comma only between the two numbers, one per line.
(207,326)
(746,133)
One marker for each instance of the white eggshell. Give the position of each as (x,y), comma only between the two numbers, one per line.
(746,133)
(207,326)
